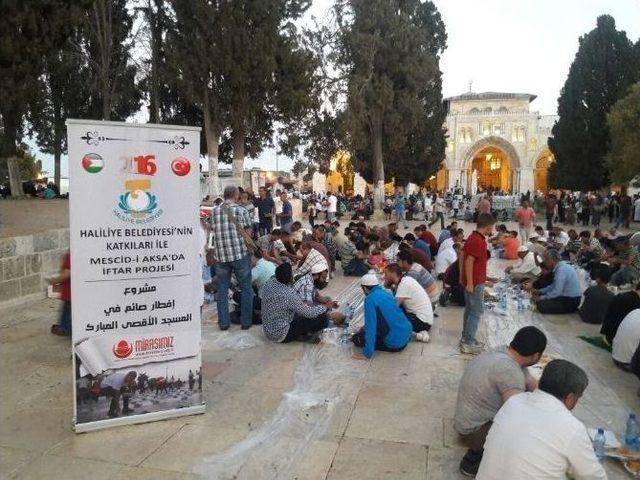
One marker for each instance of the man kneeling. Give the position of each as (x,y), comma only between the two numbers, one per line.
(488,381)
(285,316)
(386,327)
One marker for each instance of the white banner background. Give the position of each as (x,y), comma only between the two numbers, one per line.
(135,268)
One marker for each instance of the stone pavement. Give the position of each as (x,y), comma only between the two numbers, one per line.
(290,411)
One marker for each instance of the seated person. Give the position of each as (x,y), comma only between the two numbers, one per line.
(527,268)
(628,260)
(590,251)
(453,290)
(488,382)
(510,244)
(534,435)
(412,298)
(563,295)
(309,284)
(423,234)
(386,327)
(353,261)
(271,245)
(542,234)
(626,340)
(419,273)
(261,271)
(598,297)
(501,232)
(376,258)
(285,316)
(619,307)
(418,255)
(536,244)
(446,254)
(310,257)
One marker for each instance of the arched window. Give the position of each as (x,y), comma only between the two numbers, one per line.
(518,134)
(503,110)
(474,111)
(487,110)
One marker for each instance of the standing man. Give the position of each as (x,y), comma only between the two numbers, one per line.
(550,203)
(266,211)
(286,215)
(399,208)
(526,217)
(332,207)
(438,211)
(232,256)
(473,276)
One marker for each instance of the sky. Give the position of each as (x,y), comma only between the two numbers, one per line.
(524,46)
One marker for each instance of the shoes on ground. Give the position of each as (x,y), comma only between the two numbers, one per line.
(223,327)
(471,348)
(423,336)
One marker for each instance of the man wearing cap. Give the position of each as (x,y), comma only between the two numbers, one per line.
(527,268)
(307,285)
(563,295)
(386,327)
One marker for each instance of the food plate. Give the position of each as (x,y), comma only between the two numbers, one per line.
(623,454)
(633,467)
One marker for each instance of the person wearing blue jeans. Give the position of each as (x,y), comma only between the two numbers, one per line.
(231,224)
(242,270)
(474,307)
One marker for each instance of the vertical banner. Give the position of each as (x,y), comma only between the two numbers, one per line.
(136,270)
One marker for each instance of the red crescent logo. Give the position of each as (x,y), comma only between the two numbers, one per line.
(122,349)
(181,166)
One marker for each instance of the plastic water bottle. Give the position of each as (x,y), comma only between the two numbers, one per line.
(520,300)
(503,300)
(348,314)
(632,433)
(598,445)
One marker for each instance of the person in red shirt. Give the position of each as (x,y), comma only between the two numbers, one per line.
(473,276)
(418,255)
(422,232)
(510,246)
(526,217)
(64,280)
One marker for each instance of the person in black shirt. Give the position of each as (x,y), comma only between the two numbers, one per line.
(620,306)
(597,298)
(266,211)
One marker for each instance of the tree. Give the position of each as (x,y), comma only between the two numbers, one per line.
(604,68)
(267,72)
(388,51)
(194,59)
(623,121)
(20,47)
(107,46)
(62,88)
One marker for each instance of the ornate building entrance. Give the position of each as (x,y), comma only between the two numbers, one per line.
(491,170)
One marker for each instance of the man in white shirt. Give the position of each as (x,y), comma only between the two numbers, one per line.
(413,299)
(116,385)
(332,207)
(534,435)
(626,340)
(446,254)
(527,268)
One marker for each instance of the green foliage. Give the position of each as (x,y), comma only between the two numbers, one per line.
(388,52)
(604,68)
(624,122)
(30,168)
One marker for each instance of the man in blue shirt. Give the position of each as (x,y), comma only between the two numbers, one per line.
(564,293)
(286,217)
(386,327)
(400,211)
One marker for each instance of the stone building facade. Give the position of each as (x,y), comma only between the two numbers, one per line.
(496,143)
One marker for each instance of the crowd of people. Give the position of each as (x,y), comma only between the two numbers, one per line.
(274,268)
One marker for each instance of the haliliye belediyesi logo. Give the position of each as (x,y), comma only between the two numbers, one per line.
(138,204)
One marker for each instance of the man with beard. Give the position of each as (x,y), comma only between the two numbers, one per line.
(309,284)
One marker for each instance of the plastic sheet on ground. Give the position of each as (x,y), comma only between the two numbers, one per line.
(325,376)
(600,406)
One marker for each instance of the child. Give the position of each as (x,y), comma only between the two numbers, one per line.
(376,258)
(64,280)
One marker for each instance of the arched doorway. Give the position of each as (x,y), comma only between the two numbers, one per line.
(493,170)
(541,171)
(492,163)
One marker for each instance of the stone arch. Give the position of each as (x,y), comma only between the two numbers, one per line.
(541,162)
(496,142)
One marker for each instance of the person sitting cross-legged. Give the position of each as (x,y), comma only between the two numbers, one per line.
(285,316)
(412,299)
(563,295)
(598,297)
(527,268)
(386,327)
(620,306)
(488,381)
(535,435)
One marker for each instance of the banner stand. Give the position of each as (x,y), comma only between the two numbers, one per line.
(136,259)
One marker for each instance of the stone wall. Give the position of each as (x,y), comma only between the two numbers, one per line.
(27,261)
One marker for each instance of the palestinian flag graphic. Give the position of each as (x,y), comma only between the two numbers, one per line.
(92,162)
